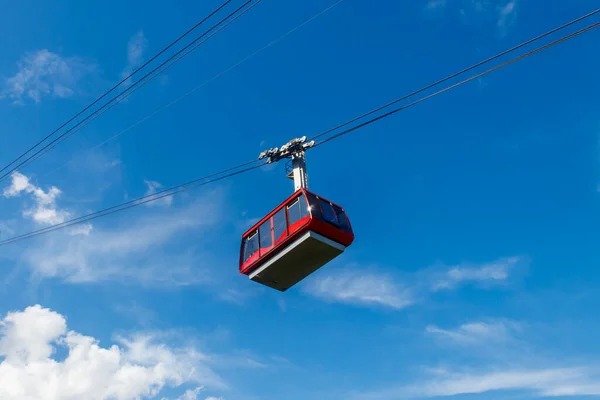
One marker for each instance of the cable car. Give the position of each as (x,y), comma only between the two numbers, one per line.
(299,236)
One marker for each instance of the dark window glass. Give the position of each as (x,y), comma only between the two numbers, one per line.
(279,224)
(297,210)
(315,207)
(328,213)
(250,246)
(342,220)
(264,233)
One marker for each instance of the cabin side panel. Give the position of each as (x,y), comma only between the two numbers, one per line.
(284,224)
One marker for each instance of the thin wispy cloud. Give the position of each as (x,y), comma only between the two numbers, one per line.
(476,333)
(499,15)
(153,187)
(542,382)
(357,286)
(136,48)
(135,254)
(138,365)
(507,14)
(361,288)
(43,73)
(492,356)
(492,273)
(237,296)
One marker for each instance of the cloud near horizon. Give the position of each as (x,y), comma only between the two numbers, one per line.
(540,382)
(135,366)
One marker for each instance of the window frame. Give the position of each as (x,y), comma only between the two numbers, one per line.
(270,230)
(286,227)
(249,238)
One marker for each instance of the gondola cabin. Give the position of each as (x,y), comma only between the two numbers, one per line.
(298,237)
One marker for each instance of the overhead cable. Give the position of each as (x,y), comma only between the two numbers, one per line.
(118,84)
(205,180)
(173,62)
(456,74)
(511,61)
(219,175)
(128,89)
(198,87)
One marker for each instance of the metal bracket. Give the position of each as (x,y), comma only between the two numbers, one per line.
(293,149)
(294,146)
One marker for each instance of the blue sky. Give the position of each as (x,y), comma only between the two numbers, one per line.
(474,272)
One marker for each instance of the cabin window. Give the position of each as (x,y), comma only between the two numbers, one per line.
(279,226)
(342,219)
(315,207)
(264,233)
(297,210)
(328,213)
(250,246)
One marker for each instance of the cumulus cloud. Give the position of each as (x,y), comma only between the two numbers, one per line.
(361,288)
(45,211)
(153,187)
(135,53)
(191,394)
(544,382)
(44,73)
(134,367)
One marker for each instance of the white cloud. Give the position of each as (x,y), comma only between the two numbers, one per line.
(495,272)
(214,398)
(136,253)
(44,73)
(81,229)
(361,288)
(45,211)
(7,229)
(135,52)
(507,14)
(191,394)
(134,367)
(474,333)
(237,296)
(500,15)
(154,187)
(545,382)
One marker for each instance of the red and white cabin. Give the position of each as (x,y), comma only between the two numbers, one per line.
(298,237)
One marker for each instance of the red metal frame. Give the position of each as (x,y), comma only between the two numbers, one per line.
(292,232)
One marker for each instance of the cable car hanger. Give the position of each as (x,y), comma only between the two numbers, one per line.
(299,236)
(294,149)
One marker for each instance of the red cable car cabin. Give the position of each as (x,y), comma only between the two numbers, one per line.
(301,235)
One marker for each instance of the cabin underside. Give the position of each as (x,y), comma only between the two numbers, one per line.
(296,261)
